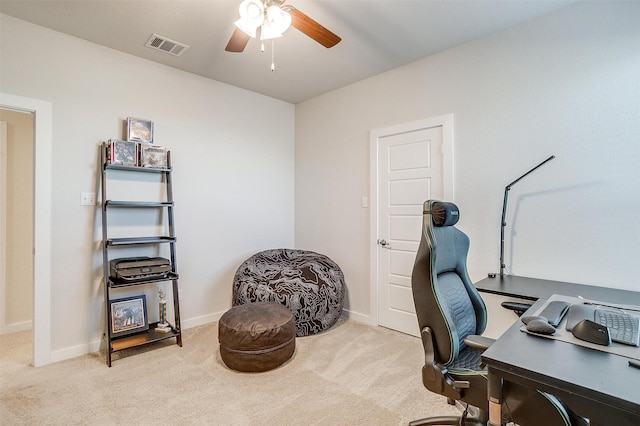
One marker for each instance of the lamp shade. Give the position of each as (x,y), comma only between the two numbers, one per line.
(251,16)
(277,22)
(267,32)
(278,18)
(248,29)
(252,10)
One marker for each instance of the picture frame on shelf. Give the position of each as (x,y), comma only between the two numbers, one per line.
(123,153)
(128,315)
(153,156)
(139,130)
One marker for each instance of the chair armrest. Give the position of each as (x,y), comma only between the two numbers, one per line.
(479,343)
(517,307)
(435,376)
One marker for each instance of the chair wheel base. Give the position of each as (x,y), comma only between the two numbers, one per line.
(448,420)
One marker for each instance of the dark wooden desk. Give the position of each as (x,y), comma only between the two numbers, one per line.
(594,384)
(534,289)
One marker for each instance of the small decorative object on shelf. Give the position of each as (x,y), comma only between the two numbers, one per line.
(139,130)
(153,156)
(123,153)
(128,315)
(163,325)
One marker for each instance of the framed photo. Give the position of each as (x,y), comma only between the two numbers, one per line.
(123,153)
(139,130)
(128,315)
(153,156)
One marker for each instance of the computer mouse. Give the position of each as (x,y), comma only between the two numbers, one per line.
(526,320)
(540,326)
(592,332)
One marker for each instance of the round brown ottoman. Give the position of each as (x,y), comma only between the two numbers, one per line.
(256,336)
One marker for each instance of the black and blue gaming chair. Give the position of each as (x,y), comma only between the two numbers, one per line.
(452,316)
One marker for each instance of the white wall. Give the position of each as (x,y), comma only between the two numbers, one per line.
(233,179)
(566,84)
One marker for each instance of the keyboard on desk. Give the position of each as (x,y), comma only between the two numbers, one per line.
(623,327)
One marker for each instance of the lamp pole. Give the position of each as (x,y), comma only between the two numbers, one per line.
(504,211)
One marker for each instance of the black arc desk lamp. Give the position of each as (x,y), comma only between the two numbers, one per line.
(504,213)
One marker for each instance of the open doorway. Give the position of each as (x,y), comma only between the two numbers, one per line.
(16,221)
(41,112)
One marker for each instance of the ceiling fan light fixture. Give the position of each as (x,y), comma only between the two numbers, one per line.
(252,10)
(273,17)
(277,22)
(247,28)
(268,32)
(278,18)
(251,16)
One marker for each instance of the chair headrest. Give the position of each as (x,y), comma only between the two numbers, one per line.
(444,214)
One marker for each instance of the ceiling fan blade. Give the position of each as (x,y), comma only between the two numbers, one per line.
(311,28)
(238,41)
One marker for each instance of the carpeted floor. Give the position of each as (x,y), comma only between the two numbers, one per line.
(351,374)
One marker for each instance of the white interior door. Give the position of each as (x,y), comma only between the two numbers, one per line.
(411,169)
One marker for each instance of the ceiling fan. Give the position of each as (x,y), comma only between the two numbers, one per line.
(273,18)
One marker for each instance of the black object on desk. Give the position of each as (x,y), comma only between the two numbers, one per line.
(594,384)
(592,332)
(517,307)
(622,326)
(555,311)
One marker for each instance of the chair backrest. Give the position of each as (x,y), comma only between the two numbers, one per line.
(445,299)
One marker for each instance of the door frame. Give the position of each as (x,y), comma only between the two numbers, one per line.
(3,224)
(446,121)
(43,144)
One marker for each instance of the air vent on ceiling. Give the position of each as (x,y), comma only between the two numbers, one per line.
(166,45)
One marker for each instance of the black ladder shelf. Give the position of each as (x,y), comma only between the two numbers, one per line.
(119,343)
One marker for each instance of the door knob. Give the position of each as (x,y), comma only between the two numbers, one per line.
(384,243)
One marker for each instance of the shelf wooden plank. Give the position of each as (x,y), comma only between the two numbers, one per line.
(113,203)
(142,338)
(115,283)
(137,168)
(139,240)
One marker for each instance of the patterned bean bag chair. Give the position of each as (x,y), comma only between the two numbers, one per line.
(310,284)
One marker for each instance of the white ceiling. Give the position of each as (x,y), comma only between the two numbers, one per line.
(377,35)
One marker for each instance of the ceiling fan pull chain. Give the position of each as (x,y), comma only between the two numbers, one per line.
(273,55)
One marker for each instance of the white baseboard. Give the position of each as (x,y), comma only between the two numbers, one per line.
(204,319)
(365,319)
(17,327)
(75,351)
